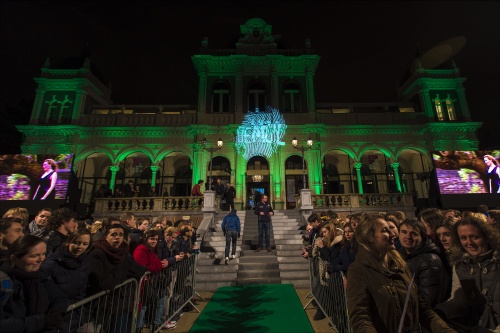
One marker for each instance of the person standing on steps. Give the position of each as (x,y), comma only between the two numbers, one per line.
(264,211)
(231,228)
(229,195)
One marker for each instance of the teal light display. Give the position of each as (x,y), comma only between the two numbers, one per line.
(260,133)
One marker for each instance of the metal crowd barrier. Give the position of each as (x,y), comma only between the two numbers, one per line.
(329,293)
(105,312)
(133,305)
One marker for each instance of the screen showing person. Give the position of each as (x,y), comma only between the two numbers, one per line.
(34,176)
(467,172)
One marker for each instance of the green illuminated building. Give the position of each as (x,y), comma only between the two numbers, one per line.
(369,149)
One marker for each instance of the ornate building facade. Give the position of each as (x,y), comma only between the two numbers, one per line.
(363,153)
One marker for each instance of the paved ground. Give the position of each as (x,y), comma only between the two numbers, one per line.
(188,318)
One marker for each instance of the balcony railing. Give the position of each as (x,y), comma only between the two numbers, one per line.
(354,201)
(148,204)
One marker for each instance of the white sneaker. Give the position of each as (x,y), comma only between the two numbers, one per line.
(233,256)
(169,325)
(227,260)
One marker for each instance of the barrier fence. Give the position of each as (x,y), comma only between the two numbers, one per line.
(329,292)
(133,305)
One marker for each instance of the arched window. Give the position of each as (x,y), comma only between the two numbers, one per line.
(256,96)
(439,108)
(220,98)
(450,108)
(291,98)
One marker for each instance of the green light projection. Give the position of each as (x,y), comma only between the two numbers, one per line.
(260,133)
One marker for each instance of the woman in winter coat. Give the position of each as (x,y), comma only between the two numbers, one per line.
(33,303)
(110,265)
(68,267)
(475,294)
(347,251)
(146,255)
(380,296)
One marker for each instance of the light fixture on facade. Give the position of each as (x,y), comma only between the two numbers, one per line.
(302,149)
(211,150)
(257,178)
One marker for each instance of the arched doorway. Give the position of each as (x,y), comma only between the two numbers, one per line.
(176,174)
(294,175)
(257,180)
(221,169)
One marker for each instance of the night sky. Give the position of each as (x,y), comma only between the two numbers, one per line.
(145,48)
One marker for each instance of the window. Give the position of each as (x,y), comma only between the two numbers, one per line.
(256,97)
(439,109)
(291,98)
(449,107)
(58,111)
(439,105)
(220,98)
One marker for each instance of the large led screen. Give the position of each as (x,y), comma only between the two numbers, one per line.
(35,177)
(467,172)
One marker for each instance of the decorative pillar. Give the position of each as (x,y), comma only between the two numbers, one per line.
(358,166)
(202,93)
(275,179)
(238,92)
(239,180)
(154,170)
(79,105)
(311,108)
(395,167)
(426,102)
(114,169)
(314,169)
(199,167)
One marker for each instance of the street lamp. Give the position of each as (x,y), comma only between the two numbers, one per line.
(211,150)
(302,149)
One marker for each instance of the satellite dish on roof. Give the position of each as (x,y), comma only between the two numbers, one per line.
(439,53)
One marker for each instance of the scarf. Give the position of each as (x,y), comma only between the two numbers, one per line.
(33,228)
(35,301)
(115,255)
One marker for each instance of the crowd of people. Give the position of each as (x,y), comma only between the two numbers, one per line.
(438,272)
(54,261)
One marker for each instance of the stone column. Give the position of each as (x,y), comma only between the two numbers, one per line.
(358,166)
(202,93)
(154,170)
(114,169)
(395,167)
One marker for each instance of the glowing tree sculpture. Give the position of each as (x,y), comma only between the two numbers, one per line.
(260,133)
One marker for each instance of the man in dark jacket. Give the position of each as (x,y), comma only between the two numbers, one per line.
(264,211)
(128,222)
(229,195)
(61,223)
(422,257)
(231,228)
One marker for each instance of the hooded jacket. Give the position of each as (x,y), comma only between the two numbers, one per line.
(231,222)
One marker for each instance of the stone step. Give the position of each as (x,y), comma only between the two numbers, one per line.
(289,253)
(295,274)
(294,266)
(287,236)
(218,268)
(298,240)
(254,266)
(247,281)
(268,274)
(289,247)
(216,276)
(293,259)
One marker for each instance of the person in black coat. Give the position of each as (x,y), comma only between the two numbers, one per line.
(110,265)
(347,251)
(35,303)
(422,257)
(61,223)
(229,195)
(68,267)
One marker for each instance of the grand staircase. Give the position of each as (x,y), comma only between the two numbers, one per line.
(283,265)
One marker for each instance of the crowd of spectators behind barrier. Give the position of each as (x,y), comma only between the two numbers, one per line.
(54,261)
(439,272)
